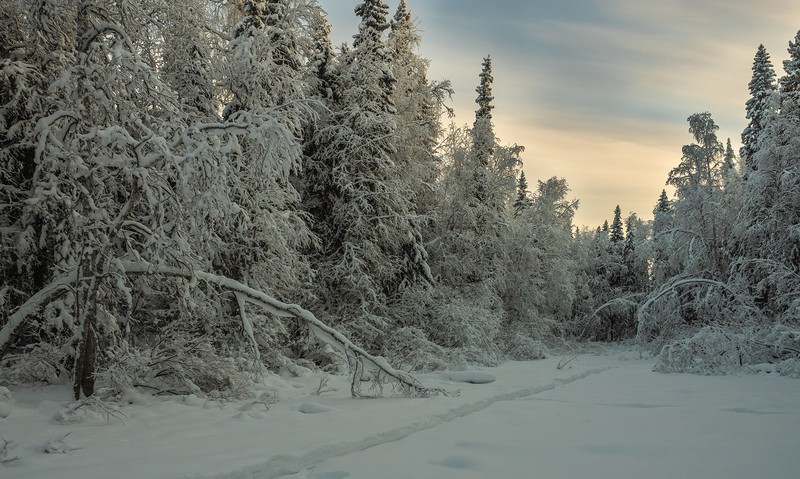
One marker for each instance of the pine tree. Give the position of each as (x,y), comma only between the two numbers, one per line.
(266,76)
(371,243)
(322,64)
(663,205)
(729,160)
(617,234)
(663,257)
(790,82)
(762,86)
(483,137)
(418,104)
(767,243)
(523,201)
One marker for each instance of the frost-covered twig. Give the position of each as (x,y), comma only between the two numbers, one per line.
(564,361)
(96,404)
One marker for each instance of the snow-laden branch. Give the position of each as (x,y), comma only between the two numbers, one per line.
(357,356)
(320,330)
(10,330)
(680,282)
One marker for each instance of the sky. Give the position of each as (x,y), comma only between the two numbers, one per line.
(598,91)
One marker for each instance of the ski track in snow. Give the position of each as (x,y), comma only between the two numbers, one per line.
(283,465)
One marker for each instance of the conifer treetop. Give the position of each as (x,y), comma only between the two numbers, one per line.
(402,17)
(374,14)
(617,234)
(761,86)
(484,90)
(663,205)
(791,81)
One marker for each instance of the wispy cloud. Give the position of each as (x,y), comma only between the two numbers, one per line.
(599,91)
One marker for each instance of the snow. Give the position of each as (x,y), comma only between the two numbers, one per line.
(603,416)
(472,377)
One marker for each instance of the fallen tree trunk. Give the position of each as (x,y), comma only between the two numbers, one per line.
(358,359)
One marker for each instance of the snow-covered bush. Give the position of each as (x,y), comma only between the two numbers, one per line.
(521,347)
(725,348)
(39,363)
(175,364)
(468,324)
(790,368)
(60,445)
(410,349)
(712,350)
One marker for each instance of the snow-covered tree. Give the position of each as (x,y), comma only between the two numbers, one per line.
(484,141)
(617,234)
(762,86)
(187,56)
(730,170)
(540,280)
(371,242)
(418,104)
(469,255)
(523,201)
(768,244)
(698,181)
(265,75)
(665,264)
(125,174)
(790,82)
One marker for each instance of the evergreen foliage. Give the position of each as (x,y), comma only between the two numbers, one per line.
(761,87)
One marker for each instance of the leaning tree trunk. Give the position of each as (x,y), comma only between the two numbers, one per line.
(359,360)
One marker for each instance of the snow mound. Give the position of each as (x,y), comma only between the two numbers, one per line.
(471,377)
(250,414)
(8,451)
(5,402)
(60,445)
(313,408)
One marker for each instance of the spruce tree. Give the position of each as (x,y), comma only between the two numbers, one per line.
(483,137)
(768,245)
(418,104)
(790,82)
(662,240)
(371,245)
(617,234)
(762,86)
(523,201)
(322,64)
(729,171)
(265,76)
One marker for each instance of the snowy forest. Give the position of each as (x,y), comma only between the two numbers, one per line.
(196,193)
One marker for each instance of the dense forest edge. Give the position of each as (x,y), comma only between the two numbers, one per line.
(196,193)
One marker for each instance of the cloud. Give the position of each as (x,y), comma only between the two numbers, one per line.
(599,90)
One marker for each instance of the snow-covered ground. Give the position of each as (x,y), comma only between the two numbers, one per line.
(606,416)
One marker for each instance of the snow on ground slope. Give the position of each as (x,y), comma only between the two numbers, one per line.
(602,416)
